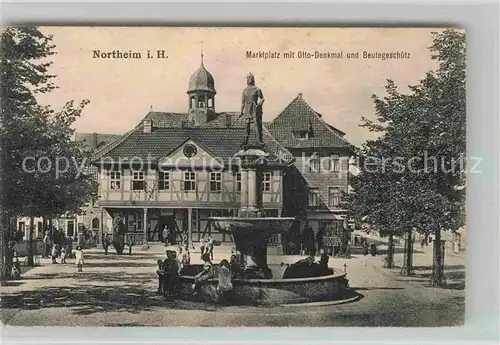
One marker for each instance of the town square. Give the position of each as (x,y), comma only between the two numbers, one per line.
(297,205)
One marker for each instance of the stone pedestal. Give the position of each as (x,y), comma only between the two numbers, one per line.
(252,158)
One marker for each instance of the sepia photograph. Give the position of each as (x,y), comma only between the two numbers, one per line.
(233,176)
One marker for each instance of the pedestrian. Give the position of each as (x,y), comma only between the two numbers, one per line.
(202,246)
(69,253)
(106,244)
(159,271)
(47,245)
(224,287)
(308,239)
(171,268)
(16,267)
(55,252)
(79,260)
(187,255)
(319,237)
(365,247)
(204,275)
(166,235)
(63,255)
(210,247)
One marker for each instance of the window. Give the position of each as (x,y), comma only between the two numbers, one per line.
(189,181)
(215,182)
(333,197)
(314,164)
(314,197)
(266,181)
(164,180)
(115,179)
(238,182)
(95,223)
(138,180)
(334,163)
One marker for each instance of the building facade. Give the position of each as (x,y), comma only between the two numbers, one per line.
(179,169)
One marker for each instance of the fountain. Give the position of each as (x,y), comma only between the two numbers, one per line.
(251,232)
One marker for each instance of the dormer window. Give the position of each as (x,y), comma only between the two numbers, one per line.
(301,135)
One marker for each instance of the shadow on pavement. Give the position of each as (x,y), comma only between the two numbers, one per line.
(375,288)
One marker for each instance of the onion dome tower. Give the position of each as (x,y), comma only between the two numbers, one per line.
(201,95)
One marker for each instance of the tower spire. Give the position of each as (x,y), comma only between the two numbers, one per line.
(202,53)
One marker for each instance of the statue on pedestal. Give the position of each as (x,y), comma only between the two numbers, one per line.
(251,107)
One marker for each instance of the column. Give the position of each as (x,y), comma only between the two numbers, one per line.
(190,228)
(145,229)
(252,188)
(102,227)
(244,187)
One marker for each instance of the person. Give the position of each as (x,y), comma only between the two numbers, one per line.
(204,275)
(234,266)
(63,255)
(308,239)
(16,267)
(69,247)
(182,257)
(187,255)
(55,252)
(321,267)
(319,237)
(105,244)
(224,286)
(47,244)
(202,246)
(301,269)
(159,271)
(171,268)
(210,247)
(166,235)
(79,260)
(365,247)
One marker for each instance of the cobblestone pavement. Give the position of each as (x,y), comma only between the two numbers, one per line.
(118,290)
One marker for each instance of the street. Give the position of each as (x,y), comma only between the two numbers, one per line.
(118,290)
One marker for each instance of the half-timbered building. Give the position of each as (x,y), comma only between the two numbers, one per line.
(179,169)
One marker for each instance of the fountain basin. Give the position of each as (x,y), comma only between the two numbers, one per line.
(270,291)
(261,227)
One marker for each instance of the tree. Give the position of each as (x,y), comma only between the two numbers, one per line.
(416,175)
(28,132)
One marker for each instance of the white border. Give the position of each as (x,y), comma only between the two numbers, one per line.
(479,18)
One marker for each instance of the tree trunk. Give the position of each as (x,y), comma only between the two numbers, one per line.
(31,262)
(390,252)
(6,252)
(409,255)
(437,261)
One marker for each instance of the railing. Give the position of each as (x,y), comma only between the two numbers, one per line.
(136,238)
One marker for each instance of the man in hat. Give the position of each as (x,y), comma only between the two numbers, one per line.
(251,107)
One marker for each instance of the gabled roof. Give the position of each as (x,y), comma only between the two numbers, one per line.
(299,116)
(168,134)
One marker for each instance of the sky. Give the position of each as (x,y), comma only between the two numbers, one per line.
(122,91)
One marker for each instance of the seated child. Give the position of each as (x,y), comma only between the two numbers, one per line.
(225,286)
(204,275)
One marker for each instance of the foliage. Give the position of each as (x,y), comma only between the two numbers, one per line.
(412,176)
(32,186)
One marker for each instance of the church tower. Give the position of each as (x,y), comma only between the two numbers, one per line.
(201,95)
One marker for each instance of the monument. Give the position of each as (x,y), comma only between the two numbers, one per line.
(251,108)
(251,231)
